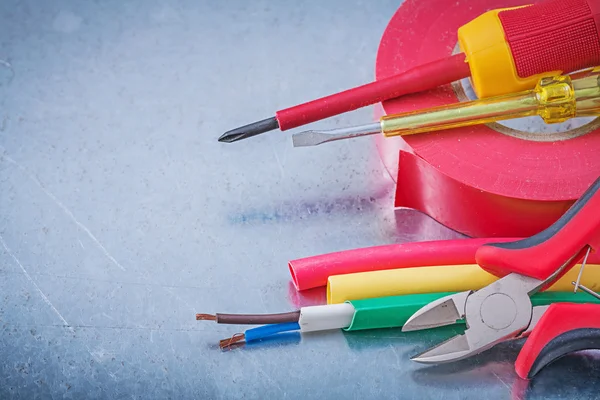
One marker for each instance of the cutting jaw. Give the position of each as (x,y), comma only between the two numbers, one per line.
(501,311)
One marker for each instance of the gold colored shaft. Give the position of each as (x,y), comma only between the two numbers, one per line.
(457,115)
(553,99)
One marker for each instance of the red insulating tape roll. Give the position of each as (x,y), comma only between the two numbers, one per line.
(475,180)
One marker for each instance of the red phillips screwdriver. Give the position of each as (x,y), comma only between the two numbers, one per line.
(503,51)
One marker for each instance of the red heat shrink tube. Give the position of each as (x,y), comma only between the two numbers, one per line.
(311,272)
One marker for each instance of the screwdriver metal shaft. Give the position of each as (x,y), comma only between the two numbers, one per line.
(313,138)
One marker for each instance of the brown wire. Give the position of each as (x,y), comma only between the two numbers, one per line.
(257,319)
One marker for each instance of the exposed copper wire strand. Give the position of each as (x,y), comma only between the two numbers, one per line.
(238,337)
(206,317)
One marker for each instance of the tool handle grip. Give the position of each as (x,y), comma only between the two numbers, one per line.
(564,328)
(563,243)
(554,35)
(417,79)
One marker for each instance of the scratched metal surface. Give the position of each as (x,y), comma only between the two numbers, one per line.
(121,216)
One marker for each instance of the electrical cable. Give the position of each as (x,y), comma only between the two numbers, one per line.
(376,313)
(322,318)
(250,319)
(258,333)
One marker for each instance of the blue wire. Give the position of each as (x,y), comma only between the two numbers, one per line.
(268,330)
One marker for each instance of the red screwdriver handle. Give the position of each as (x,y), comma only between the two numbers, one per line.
(554,35)
(564,328)
(563,243)
(418,79)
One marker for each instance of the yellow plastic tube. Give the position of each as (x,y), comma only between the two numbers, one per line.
(452,278)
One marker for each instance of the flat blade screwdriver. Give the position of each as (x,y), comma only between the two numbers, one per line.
(499,51)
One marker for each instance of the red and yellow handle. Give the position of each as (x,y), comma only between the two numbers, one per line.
(504,51)
(509,50)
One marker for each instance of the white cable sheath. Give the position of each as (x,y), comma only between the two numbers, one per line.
(322,318)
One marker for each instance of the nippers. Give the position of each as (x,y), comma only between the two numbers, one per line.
(503,310)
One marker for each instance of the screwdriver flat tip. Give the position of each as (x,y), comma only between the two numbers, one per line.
(246,131)
(309,138)
(314,138)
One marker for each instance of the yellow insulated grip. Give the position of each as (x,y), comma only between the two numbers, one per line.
(453,278)
(493,70)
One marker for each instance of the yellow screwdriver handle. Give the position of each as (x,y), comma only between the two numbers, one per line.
(555,99)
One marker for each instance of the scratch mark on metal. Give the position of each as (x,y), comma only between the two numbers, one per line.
(119,282)
(504,383)
(172,348)
(397,356)
(278,162)
(262,300)
(94,356)
(108,316)
(64,209)
(262,371)
(181,300)
(126,328)
(10,67)
(81,244)
(46,300)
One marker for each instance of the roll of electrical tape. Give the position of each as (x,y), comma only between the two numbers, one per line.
(487,180)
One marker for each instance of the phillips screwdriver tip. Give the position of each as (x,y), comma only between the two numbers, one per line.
(249,130)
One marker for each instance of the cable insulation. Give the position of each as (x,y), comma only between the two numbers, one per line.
(256,319)
(322,318)
(457,278)
(268,330)
(388,312)
(394,311)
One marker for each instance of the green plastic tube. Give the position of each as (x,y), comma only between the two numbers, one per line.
(394,311)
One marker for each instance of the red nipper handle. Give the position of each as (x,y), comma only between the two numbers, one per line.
(555,35)
(564,328)
(564,242)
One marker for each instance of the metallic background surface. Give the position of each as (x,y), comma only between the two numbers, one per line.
(121,216)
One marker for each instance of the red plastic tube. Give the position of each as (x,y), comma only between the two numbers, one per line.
(417,79)
(311,272)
